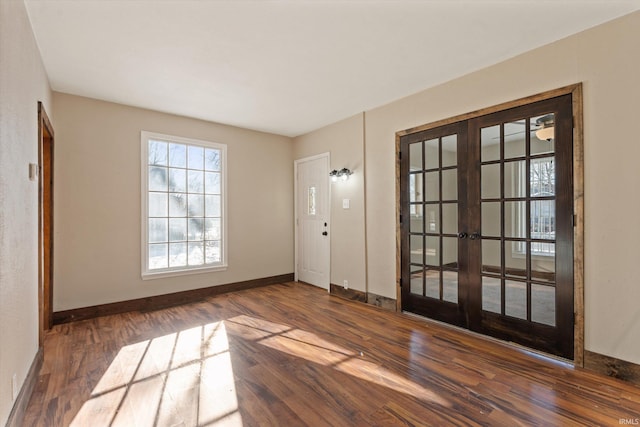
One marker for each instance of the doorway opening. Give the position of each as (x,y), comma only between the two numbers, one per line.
(490,221)
(45,223)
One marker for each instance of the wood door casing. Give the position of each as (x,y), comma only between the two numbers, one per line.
(558,337)
(45,222)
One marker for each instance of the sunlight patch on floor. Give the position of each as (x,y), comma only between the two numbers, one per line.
(309,346)
(185,378)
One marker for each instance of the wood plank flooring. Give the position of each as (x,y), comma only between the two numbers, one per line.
(292,355)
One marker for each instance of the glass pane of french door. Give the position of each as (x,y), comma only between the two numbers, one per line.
(433,211)
(518,226)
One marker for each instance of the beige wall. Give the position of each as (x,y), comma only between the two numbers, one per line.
(344,141)
(605,60)
(23,83)
(97,202)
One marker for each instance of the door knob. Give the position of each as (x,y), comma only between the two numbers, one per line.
(475,236)
(462,235)
(324,233)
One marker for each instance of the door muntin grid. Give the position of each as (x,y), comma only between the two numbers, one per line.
(433,208)
(518,212)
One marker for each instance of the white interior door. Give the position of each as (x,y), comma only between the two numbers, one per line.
(312,220)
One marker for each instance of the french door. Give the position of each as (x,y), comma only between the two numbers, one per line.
(487,224)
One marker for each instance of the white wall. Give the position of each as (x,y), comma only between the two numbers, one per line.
(605,59)
(97,202)
(344,140)
(23,83)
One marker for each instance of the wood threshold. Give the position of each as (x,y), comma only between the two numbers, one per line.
(157,302)
(17,415)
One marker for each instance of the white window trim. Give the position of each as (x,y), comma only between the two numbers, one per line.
(179,271)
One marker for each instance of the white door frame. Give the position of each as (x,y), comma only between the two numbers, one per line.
(326,155)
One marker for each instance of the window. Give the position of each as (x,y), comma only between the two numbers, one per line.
(183,205)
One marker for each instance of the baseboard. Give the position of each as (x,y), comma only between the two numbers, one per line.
(16,417)
(382,302)
(350,294)
(157,302)
(612,367)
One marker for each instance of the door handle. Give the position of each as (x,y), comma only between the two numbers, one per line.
(475,236)
(462,235)
(324,233)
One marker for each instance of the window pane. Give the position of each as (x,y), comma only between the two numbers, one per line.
(515,259)
(431,155)
(196,182)
(515,299)
(450,286)
(450,151)
(195,158)
(450,184)
(543,268)
(177,254)
(211,159)
(433,218)
(432,183)
(158,204)
(450,218)
(177,204)
(416,249)
(515,179)
(543,177)
(491,294)
(415,156)
(491,219)
(432,250)
(177,229)
(491,256)
(515,222)
(490,181)
(177,180)
(196,205)
(212,251)
(157,179)
(212,206)
(157,230)
(212,229)
(158,256)
(432,283)
(543,219)
(157,153)
(543,134)
(212,182)
(490,143)
(196,228)
(514,139)
(416,280)
(543,304)
(196,253)
(416,224)
(178,155)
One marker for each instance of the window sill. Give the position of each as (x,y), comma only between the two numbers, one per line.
(150,275)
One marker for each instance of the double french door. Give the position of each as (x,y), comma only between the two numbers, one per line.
(487,224)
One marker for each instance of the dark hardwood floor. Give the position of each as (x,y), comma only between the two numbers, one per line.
(292,355)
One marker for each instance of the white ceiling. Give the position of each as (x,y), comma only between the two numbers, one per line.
(288,67)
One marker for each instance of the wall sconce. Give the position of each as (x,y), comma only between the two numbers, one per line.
(342,174)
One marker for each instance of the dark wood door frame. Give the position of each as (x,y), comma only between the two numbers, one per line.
(45,223)
(578,193)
